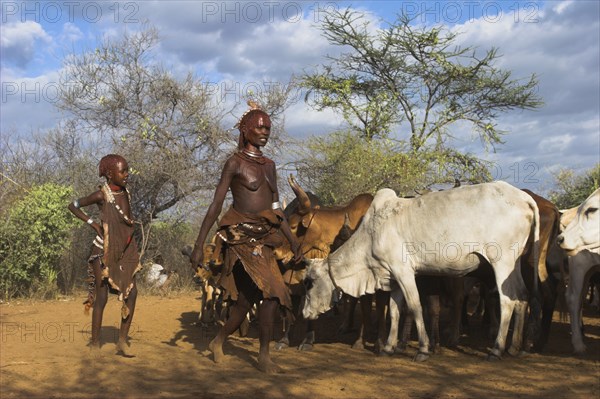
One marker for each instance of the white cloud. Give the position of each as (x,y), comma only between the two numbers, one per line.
(28,102)
(71,33)
(561,6)
(558,42)
(18,41)
(562,49)
(301,121)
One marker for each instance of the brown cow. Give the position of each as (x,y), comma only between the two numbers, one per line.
(549,230)
(212,308)
(317,228)
(210,292)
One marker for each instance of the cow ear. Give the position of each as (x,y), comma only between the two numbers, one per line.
(306,220)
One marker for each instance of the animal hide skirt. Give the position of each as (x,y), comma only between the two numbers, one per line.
(249,240)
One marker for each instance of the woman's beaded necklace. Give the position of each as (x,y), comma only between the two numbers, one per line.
(110,197)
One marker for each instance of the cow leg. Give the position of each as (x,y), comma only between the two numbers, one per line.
(520,316)
(574,303)
(408,283)
(455,287)
(284,342)
(433,306)
(396,303)
(349,310)
(491,305)
(209,299)
(309,340)
(382,298)
(203,298)
(464,317)
(366,303)
(406,330)
(547,312)
(510,285)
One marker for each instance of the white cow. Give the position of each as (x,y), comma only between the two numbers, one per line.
(443,233)
(583,231)
(581,241)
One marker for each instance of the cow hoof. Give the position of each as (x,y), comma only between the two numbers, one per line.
(493,356)
(387,352)
(282,345)
(515,352)
(305,347)
(358,345)
(421,357)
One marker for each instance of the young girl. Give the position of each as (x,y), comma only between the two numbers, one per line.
(114,259)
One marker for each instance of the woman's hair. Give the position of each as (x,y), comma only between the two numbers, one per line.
(252,117)
(108,162)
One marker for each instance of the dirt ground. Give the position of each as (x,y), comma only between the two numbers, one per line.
(44,354)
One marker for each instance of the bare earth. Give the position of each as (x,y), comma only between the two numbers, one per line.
(44,354)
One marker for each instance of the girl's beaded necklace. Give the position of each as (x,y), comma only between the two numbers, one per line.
(110,197)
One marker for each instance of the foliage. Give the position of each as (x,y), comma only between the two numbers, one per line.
(166,127)
(401,75)
(418,75)
(33,238)
(572,189)
(166,239)
(342,165)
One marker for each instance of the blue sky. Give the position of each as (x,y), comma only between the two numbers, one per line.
(251,44)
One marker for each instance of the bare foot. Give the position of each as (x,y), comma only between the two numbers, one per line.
(95,352)
(94,345)
(217,351)
(266,365)
(123,349)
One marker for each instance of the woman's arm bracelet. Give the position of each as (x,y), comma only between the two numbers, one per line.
(90,221)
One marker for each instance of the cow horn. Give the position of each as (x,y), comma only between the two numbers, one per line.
(303,200)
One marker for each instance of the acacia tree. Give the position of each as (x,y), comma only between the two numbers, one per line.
(405,75)
(166,127)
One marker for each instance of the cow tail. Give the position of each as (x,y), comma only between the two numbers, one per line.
(535,303)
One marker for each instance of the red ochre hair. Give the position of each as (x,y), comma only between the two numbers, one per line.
(108,162)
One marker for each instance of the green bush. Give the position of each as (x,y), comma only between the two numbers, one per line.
(33,237)
(166,239)
(341,165)
(572,189)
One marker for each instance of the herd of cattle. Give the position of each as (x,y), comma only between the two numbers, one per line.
(406,250)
